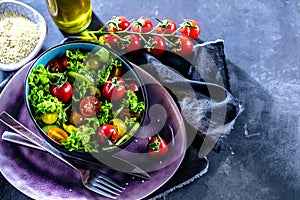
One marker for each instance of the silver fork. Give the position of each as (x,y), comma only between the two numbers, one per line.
(91,179)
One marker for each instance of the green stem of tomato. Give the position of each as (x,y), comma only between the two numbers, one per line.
(142,37)
(69,106)
(175,31)
(164,36)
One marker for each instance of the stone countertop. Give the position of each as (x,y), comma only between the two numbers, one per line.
(260,159)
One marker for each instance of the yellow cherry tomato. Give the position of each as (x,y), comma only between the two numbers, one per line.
(120,125)
(49,118)
(57,134)
(69,128)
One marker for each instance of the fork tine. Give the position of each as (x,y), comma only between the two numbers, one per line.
(91,186)
(102,185)
(108,184)
(108,180)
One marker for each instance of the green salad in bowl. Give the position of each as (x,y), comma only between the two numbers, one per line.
(84,98)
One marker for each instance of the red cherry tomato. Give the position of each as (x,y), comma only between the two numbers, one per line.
(156,46)
(166,26)
(119,23)
(142,25)
(114,89)
(63,93)
(130,43)
(89,106)
(107,130)
(190,28)
(54,66)
(133,86)
(184,46)
(111,40)
(157,147)
(64,62)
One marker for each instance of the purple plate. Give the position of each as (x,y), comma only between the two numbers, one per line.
(41,176)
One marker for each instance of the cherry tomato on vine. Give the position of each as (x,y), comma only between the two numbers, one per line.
(111,40)
(107,130)
(184,46)
(142,25)
(156,46)
(157,147)
(63,93)
(130,43)
(190,28)
(166,26)
(54,66)
(119,23)
(114,89)
(89,106)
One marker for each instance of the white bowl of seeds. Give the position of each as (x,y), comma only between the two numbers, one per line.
(22,34)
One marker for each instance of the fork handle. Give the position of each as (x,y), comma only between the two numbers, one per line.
(22,130)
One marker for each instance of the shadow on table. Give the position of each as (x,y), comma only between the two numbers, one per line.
(259,159)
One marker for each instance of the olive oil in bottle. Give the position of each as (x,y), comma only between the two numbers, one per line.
(71,16)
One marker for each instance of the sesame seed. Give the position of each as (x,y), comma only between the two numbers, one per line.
(18,37)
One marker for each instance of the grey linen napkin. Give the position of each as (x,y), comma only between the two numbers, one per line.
(200,87)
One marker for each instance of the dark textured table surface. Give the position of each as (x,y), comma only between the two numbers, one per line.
(261,157)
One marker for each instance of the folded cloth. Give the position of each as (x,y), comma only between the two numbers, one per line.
(200,87)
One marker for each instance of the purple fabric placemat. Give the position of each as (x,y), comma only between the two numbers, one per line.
(204,77)
(24,167)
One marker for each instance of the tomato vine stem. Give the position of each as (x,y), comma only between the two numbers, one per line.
(123,30)
(94,35)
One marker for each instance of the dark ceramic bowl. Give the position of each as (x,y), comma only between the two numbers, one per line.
(58,51)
